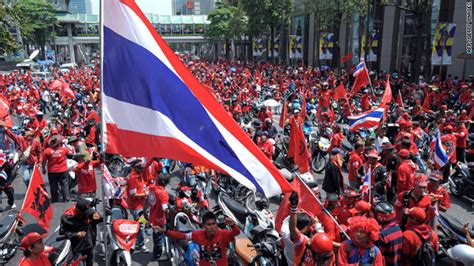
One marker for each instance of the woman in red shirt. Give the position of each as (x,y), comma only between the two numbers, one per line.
(55,157)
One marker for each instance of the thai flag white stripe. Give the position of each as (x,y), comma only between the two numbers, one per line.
(359,68)
(381,110)
(123,21)
(161,126)
(365,120)
(440,159)
(251,163)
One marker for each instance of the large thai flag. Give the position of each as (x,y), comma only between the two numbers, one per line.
(440,157)
(154,106)
(370,119)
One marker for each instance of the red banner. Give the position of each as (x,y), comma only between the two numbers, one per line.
(346,58)
(37,202)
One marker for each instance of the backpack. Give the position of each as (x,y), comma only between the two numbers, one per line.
(425,255)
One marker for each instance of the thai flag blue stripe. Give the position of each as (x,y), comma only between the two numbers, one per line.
(374,114)
(123,58)
(440,152)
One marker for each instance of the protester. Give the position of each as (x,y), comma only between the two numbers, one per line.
(55,159)
(33,250)
(390,241)
(158,200)
(333,180)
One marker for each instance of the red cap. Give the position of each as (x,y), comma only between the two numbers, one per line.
(405,115)
(361,206)
(448,129)
(404,153)
(421,181)
(321,243)
(417,213)
(30,239)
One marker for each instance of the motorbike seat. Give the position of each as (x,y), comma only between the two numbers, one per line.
(6,223)
(455,224)
(118,213)
(245,252)
(236,208)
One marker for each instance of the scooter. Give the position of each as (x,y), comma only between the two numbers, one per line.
(461,182)
(122,237)
(319,152)
(451,233)
(9,236)
(184,251)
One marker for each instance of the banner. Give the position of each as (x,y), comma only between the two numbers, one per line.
(296,47)
(441,52)
(326,46)
(257,47)
(373,46)
(276,46)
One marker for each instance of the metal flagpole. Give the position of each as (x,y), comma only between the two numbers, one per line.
(322,207)
(103,125)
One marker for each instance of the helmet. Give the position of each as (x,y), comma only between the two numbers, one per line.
(384,212)
(163,179)
(321,243)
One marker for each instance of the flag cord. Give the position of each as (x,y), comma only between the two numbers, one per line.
(323,208)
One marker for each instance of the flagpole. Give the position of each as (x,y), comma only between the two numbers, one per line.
(103,128)
(322,207)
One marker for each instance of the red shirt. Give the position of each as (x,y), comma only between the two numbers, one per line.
(336,140)
(41,260)
(158,199)
(412,242)
(152,171)
(355,162)
(212,251)
(306,258)
(86,176)
(24,143)
(56,159)
(445,200)
(406,175)
(449,141)
(267,148)
(423,202)
(461,137)
(135,185)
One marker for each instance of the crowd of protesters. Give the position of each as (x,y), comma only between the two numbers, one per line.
(58,119)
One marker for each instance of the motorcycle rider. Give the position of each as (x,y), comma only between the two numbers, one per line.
(158,200)
(79,225)
(212,240)
(391,236)
(33,250)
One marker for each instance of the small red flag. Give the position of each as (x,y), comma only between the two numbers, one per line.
(66,91)
(340,92)
(306,202)
(37,202)
(387,95)
(426,103)
(346,58)
(284,115)
(399,99)
(303,108)
(301,156)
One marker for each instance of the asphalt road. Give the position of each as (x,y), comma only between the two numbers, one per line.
(460,208)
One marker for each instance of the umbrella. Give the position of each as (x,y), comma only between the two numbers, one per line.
(271,103)
(233,69)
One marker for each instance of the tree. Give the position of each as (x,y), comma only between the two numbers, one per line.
(227,23)
(7,18)
(37,20)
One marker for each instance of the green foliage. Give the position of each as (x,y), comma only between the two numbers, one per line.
(7,17)
(265,14)
(227,22)
(37,20)
(331,12)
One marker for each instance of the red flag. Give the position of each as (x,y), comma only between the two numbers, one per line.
(284,114)
(37,202)
(426,103)
(346,58)
(66,91)
(303,108)
(362,78)
(301,156)
(306,202)
(399,99)
(340,92)
(387,95)
(5,111)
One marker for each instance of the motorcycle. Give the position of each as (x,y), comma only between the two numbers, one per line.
(9,236)
(450,233)
(60,250)
(461,182)
(320,149)
(280,159)
(184,251)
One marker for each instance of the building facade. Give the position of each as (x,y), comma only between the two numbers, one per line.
(193,7)
(80,7)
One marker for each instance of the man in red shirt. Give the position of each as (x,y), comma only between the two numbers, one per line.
(461,138)
(212,241)
(85,175)
(412,237)
(355,162)
(416,197)
(158,200)
(136,196)
(266,145)
(33,250)
(30,148)
(405,172)
(55,157)
(449,141)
